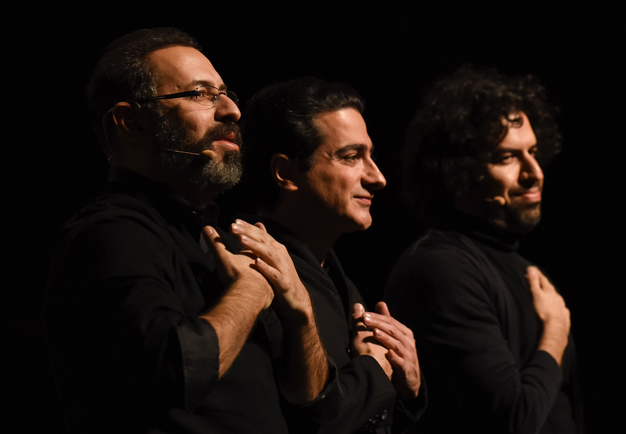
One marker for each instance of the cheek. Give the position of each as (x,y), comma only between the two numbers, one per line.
(501,181)
(331,187)
(197,125)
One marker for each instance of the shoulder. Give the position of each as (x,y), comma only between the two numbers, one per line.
(443,267)
(118,228)
(437,253)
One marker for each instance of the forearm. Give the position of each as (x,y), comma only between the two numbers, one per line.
(305,365)
(233,318)
(554,340)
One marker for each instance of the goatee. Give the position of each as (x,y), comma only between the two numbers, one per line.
(217,174)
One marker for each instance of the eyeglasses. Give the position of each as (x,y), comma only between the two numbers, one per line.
(205,95)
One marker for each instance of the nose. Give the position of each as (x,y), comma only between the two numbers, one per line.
(226,110)
(531,170)
(373,178)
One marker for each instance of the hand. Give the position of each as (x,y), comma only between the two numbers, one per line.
(551,309)
(365,344)
(402,355)
(234,267)
(548,303)
(291,300)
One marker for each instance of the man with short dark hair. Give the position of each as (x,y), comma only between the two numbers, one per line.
(148,331)
(309,166)
(491,330)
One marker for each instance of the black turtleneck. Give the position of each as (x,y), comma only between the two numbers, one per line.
(462,289)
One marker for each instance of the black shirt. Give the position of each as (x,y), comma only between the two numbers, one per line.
(462,290)
(363,395)
(128,350)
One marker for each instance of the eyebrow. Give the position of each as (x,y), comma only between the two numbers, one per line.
(196,83)
(354,147)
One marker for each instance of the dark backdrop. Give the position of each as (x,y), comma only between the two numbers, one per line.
(389,52)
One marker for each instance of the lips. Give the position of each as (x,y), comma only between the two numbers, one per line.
(532,195)
(228,140)
(230,137)
(364,199)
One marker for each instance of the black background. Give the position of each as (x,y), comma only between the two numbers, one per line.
(389,52)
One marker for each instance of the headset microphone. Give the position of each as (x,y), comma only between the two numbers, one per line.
(500,200)
(207,153)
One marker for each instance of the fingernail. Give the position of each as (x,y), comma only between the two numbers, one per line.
(209,230)
(244,239)
(367,317)
(235,227)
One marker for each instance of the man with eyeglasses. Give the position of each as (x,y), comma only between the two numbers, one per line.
(153,324)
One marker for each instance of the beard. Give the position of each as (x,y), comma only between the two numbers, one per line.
(522,219)
(215,174)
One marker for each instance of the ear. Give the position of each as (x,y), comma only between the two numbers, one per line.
(284,172)
(126,117)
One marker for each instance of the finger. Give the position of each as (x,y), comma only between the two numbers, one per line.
(357,310)
(386,322)
(381,308)
(262,244)
(260,226)
(271,273)
(395,360)
(532,275)
(545,283)
(257,233)
(223,258)
(214,242)
(389,342)
(357,319)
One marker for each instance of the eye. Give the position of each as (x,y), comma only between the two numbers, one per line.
(504,158)
(202,94)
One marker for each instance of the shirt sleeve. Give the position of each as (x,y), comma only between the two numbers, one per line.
(125,303)
(442,296)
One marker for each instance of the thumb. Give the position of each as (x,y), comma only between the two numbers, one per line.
(533,277)
(220,253)
(357,310)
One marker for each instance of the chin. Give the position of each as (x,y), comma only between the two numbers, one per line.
(523,221)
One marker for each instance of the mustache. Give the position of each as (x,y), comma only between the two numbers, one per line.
(224,131)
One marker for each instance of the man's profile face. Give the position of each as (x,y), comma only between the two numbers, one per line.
(343,177)
(511,191)
(184,125)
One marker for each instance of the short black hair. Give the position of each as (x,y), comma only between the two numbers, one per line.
(280,118)
(460,123)
(123,72)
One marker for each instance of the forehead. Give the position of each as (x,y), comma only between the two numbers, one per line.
(519,137)
(178,68)
(341,128)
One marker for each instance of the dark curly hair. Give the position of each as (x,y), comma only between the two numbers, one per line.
(280,118)
(459,123)
(123,73)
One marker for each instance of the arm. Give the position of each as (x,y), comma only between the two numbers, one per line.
(235,314)
(552,311)
(306,364)
(124,305)
(445,296)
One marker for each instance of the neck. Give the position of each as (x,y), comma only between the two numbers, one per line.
(196,197)
(310,229)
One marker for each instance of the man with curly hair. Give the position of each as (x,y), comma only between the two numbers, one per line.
(491,330)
